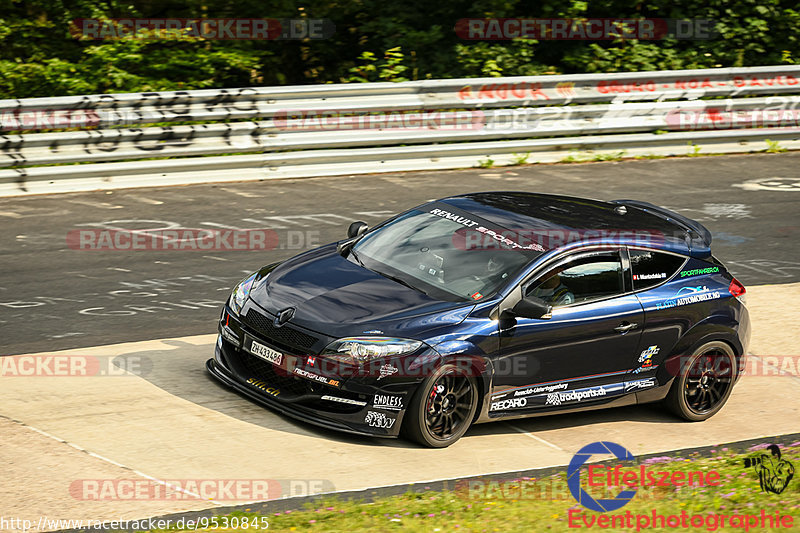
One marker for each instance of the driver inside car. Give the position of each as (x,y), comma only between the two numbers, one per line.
(553,291)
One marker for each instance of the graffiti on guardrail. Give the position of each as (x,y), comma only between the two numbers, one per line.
(504,91)
(653,89)
(257,119)
(98,111)
(94,111)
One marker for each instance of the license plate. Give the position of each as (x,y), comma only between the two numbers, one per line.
(265,352)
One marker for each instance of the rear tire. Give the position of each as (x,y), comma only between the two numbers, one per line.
(704,382)
(442,408)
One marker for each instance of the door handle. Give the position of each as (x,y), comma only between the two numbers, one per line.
(625,327)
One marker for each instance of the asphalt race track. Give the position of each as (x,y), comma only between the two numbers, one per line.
(53,297)
(166,419)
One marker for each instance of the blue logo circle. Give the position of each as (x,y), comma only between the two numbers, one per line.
(574,476)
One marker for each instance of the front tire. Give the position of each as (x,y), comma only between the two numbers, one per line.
(704,382)
(442,408)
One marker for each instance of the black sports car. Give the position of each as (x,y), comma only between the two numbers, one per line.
(489,306)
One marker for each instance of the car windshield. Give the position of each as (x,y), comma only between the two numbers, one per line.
(442,257)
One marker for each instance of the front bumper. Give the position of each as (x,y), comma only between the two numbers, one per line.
(295,411)
(278,388)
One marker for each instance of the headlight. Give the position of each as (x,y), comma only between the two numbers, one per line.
(241,292)
(359,350)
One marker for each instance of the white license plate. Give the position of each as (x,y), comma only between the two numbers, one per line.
(266,353)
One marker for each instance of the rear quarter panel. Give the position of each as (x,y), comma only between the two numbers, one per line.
(692,308)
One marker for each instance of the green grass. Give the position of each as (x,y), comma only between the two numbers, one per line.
(616,156)
(773,147)
(695,150)
(486,163)
(585,157)
(520,159)
(650,156)
(532,510)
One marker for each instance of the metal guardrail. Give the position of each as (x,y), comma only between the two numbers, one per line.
(357,128)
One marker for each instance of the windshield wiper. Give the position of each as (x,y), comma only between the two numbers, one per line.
(402,282)
(354,255)
(358,259)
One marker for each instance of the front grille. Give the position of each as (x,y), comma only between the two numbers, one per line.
(257,368)
(246,365)
(285,337)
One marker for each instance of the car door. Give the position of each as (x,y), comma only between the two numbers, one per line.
(585,351)
(656,281)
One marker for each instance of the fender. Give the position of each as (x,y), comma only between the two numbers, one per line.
(468,355)
(714,328)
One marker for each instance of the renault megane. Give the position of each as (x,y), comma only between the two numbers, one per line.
(489,306)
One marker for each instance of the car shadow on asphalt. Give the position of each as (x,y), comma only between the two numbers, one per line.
(180,371)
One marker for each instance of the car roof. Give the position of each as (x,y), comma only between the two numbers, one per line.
(525,211)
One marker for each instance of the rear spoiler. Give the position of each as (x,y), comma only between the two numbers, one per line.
(691,226)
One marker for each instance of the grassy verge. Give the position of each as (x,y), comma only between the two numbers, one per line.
(545,504)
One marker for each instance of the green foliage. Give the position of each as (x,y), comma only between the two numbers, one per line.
(773,147)
(39,57)
(484,59)
(374,41)
(633,55)
(486,163)
(616,156)
(520,159)
(389,69)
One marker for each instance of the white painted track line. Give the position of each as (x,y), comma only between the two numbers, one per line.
(534,437)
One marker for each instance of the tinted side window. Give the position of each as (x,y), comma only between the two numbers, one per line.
(651,268)
(583,279)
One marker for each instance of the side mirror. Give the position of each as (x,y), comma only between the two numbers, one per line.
(531,307)
(357,229)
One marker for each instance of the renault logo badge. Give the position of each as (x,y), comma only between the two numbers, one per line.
(284,316)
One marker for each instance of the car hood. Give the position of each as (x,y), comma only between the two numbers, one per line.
(337,297)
